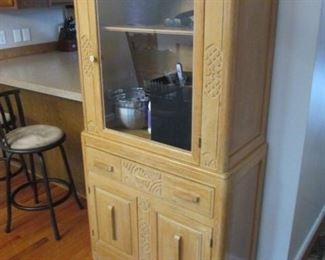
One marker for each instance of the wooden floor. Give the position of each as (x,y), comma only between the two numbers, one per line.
(31,236)
(316,249)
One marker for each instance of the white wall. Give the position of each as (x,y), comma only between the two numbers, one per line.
(42,22)
(296,41)
(311,192)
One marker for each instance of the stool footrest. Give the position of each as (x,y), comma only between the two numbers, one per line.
(43,206)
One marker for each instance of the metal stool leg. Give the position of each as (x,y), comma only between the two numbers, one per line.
(8,191)
(34,184)
(32,181)
(73,187)
(49,197)
(22,159)
(3,154)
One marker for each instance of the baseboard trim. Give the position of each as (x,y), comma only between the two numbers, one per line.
(310,236)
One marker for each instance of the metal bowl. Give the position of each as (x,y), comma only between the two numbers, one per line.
(131,107)
(132,114)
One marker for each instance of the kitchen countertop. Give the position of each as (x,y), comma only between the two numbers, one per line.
(53,73)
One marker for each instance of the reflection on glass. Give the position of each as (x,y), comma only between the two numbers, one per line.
(147,53)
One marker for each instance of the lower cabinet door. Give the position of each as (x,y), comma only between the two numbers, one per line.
(182,239)
(114,222)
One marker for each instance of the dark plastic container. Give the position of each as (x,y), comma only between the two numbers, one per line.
(171,111)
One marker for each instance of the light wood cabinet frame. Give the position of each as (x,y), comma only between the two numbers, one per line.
(94,113)
(224,170)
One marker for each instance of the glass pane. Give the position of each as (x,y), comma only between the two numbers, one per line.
(147,59)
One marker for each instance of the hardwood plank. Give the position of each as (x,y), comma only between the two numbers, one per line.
(32,237)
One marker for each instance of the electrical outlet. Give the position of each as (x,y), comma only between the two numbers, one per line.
(2,38)
(60,26)
(17,35)
(26,34)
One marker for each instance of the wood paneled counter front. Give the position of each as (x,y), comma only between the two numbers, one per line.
(51,94)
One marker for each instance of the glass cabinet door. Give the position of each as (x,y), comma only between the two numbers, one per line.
(147,64)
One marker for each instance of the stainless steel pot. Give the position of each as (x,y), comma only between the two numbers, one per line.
(132,108)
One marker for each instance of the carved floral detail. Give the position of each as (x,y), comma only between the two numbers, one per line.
(87,51)
(144,229)
(213,74)
(141,178)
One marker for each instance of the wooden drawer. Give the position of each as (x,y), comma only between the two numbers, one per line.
(103,164)
(189,194)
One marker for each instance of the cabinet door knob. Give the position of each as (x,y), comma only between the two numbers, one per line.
(92,59)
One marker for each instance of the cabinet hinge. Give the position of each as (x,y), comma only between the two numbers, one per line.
(211,242)
(88,190)
(200,142)
(92,232)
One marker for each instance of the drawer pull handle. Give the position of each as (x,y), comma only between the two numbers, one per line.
(187,196)
(178,241)
(103,166)
(112,217)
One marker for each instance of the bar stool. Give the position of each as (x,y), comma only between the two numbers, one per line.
(32,140)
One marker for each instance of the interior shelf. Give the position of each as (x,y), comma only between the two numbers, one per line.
(158,29)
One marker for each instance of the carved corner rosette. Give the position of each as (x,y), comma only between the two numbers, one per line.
(213,71)
(86,52)
(209,161)
(141,178)
(91,125)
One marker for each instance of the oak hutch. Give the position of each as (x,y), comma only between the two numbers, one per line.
(175,104)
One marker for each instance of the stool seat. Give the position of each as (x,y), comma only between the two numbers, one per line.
(33,136)
(7,116)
